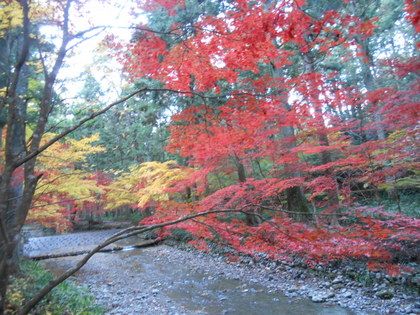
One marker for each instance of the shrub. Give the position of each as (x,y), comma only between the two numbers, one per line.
(67,298)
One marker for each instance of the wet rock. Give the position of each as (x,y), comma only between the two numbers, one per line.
(337,280)
(322,296)
(338,286)
(416,280)
(385,294)
(318,298)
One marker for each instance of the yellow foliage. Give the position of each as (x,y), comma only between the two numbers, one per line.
(65,154)
(397,135)
(61,179)
(145,183)
(10,15)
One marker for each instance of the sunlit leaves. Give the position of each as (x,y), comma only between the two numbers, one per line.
(64,187)
(10,15)
(145,183)
(321,134)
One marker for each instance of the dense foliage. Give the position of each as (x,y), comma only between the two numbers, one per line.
(292,111)
(298,117)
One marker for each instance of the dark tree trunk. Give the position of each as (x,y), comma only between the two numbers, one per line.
(368,74)
(12,200)
(297,205)
(333,197)
(18,180)
(251,218)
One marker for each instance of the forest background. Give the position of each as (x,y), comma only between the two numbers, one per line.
(297,120)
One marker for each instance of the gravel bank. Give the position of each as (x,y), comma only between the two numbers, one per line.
(170,280)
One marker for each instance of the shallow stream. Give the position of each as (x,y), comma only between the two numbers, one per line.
(146,274)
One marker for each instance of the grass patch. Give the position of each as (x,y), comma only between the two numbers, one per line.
(181,235)
(67,298)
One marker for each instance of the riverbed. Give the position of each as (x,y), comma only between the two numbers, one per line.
(175,280)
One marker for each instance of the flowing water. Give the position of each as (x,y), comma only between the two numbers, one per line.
(179,287)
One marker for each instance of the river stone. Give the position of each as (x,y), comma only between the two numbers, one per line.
(338,286)
(322,296)
(416,280)
(385,294)
(318,298)
(292,289)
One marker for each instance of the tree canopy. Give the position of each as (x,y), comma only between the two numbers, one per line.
(300,115)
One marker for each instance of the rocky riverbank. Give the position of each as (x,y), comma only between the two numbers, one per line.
(172,280)
(348,284)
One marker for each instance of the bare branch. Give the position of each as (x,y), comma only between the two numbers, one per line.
(128,232)
(42,148)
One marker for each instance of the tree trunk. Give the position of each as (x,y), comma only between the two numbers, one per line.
(251,218)
(333,197)
(12,202)
(297,205)
(369,83)
(18,180)
(368,66)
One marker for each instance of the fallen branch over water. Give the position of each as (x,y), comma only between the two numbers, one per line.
(104,250)
(128,232)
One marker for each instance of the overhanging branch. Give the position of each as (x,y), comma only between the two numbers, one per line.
(128,232)
(92,116)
